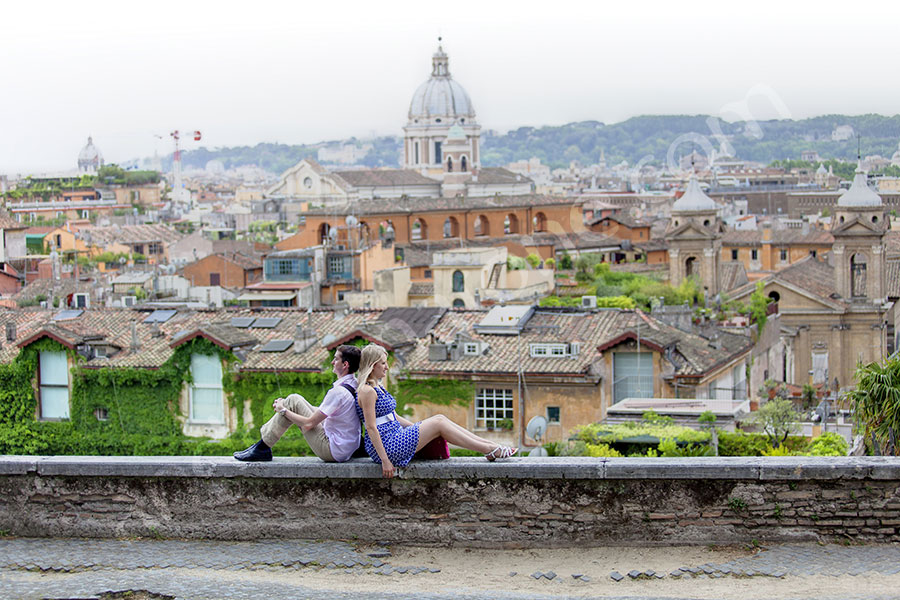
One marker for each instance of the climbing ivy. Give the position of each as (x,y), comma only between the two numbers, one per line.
(446,392)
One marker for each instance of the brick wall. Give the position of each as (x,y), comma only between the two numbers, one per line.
(469,502)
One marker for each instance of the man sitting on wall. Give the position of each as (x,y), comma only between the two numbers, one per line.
(332,430)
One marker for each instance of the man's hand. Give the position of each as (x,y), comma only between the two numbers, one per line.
(387,470)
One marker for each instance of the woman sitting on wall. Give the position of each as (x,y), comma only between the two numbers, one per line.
(392,440)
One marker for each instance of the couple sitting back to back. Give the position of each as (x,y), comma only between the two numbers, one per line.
(333,429)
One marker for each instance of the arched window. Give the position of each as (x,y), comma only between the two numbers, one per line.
(419,230)
(451,228)
(858,275)
(462,165)
(774,296)
(690,267)
(449,164)
(324,230)
(511,224)
(540,222)
(459,282)
(481,226)
(458,303)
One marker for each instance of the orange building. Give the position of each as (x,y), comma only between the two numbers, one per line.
(622,227)
(772,250)
(413,220)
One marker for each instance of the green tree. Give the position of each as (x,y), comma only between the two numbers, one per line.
(534,260)
(876,404)
(778,419)
(759,307)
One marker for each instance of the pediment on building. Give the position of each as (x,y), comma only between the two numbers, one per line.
(691,231)
(795,298)
(307,178)
(858,225)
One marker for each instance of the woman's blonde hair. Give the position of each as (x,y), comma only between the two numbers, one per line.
(371,354)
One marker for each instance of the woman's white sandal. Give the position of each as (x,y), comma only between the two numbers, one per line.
(501,452)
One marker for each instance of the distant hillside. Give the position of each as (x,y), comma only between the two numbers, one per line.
(633,140)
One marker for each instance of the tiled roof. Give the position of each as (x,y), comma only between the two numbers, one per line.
(403,206)
(498,175)
(245,262)
(114,327)
(691,354)
(813,276)
(652,245)
(7,222)
(139,278)
(892,243)
(385,178)
(732,275)
(421,289)
(892,278)
(420,320)
(133,234)
(48,287)
(622,219)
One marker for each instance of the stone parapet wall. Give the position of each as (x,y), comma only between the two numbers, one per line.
(468,502)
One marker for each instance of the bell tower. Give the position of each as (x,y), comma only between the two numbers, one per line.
(859,225)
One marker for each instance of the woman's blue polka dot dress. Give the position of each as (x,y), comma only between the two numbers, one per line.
(399,442)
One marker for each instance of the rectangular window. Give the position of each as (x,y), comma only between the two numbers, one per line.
(417,153)
(154,248)
(739,380)
(812,253)
(214,278)
(545,349)
(470,349)
(492,406)
(438,158)
(754,254)
(54,385)
(207,401)
(734,255)
(427,274)
(782,255)
(632,375)
(553,414)
(338,267)
(820,367)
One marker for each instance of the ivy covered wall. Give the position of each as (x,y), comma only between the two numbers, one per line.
(142,414)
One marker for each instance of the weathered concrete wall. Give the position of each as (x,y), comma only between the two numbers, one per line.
(469,502)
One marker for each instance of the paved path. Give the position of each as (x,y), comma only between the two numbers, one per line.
(274,570)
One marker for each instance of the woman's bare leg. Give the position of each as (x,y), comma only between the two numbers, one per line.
(439,425)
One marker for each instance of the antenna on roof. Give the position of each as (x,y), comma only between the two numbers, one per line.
(858,148)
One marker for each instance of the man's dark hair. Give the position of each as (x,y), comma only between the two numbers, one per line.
(350,354)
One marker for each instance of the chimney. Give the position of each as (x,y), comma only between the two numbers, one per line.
(135,343)
(10,331)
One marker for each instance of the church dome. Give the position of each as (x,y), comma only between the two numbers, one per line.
(859,194)
(821,170)
(440,96)
(89,157)
(694,199)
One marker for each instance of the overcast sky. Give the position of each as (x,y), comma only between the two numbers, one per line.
(303,72)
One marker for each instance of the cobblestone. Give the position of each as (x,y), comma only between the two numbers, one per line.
(186,569)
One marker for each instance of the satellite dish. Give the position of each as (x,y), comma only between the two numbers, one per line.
(332,234)
(351,221)
(536,428)
(538,451)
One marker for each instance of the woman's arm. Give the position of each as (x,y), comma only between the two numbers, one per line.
(402,421)
(367,398)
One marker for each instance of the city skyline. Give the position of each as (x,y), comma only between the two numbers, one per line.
(297,74)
